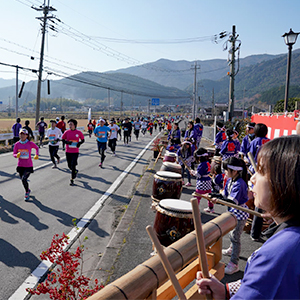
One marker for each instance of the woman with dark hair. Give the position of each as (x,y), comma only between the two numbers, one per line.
(272,271)
(174,135)
(190,134)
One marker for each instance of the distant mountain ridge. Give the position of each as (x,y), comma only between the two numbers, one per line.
(258,79)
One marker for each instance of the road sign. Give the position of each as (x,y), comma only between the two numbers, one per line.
(155,101)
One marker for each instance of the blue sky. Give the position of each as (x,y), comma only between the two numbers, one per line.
(259,23)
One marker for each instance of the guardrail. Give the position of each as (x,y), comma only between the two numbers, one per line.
(9,136)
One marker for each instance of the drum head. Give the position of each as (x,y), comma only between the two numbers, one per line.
(175,205)
(170,154)
(166,174)
(172,165)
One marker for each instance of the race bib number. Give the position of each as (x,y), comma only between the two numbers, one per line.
(24,154)
(74,144)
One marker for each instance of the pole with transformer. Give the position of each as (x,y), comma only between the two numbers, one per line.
(232,75)
(45,9)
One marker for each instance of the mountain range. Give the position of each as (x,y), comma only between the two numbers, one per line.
(260,79)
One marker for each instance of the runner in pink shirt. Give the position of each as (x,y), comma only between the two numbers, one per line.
(73,138)
(22,151)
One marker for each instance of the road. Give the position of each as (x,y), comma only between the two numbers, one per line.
(27,228)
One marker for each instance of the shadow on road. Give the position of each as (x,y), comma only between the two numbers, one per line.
(63,218)
(12,257)
(18,212)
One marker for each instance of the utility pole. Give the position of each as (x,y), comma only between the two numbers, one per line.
(121,110)
(45,9)
(244,103)
(213,103)
(108,95)
(17,92)
(232,39)
(195,91)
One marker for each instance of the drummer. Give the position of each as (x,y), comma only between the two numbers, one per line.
(220,137)
(185,158)
(272,271)
(174,138)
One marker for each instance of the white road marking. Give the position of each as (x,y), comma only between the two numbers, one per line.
(33,279)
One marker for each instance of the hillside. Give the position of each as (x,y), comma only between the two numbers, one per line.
(181,73)
(261,78)
(136,89)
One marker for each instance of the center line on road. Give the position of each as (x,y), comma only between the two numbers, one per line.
(33,279)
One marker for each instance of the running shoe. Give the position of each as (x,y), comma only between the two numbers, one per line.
(227,251)
(231,268)
(209,210)
(100,165)
(71,182)
(27,194)
(188,184)
(54,166)
(58,160)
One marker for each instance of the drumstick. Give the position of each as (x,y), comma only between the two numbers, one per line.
(165,262)
(189,169)
(247,210)
(200,241)
(252,160)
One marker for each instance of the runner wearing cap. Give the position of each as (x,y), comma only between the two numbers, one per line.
(54,135)
(102,132)
(22,151)
(73,138)
(112,141)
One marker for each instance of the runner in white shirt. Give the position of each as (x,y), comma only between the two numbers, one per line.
(112,141)
(137,127)
(54,135)
(144,127)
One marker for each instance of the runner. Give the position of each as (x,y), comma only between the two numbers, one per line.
(102,132)
(30,133)
(144,126)
(150,127)
(16,129)
(90,128)
(42,125)
(73,138)
(22,151)
(119,123)
(127,130)
(112,141)
(54,134)
(137,126)
(62,126)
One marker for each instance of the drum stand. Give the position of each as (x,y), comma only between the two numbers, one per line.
(208,262)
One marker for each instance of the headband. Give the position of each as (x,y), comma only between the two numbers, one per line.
(204,154)
(248,126)
(235,168)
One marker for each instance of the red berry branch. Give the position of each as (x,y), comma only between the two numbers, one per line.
(67,281)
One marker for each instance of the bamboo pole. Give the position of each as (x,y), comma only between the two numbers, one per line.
(247,210)
(252,160)
(165,262)
(200,241)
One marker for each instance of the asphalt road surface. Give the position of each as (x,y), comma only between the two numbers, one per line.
(27,228)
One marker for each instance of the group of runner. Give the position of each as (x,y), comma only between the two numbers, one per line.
(72,139)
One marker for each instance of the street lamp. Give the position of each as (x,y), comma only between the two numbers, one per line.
(289,39)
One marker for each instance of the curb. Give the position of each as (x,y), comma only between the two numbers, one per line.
(105,267)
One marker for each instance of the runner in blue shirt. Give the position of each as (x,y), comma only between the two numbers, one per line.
(102,133)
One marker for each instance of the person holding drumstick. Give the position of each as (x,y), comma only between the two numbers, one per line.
(272,271)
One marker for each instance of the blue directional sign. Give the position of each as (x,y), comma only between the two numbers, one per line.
(155,101)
